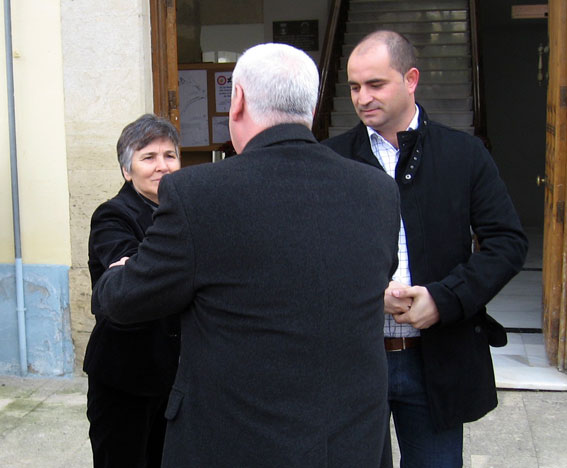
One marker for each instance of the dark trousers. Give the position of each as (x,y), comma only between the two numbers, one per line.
(421,446)
(126,430)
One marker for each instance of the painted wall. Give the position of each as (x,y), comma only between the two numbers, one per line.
(108,83)
(43,194)
(42,165)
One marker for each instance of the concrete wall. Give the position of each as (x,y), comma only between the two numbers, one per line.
(43,194)
(108,83)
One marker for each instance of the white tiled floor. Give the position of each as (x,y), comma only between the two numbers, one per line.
(522,363)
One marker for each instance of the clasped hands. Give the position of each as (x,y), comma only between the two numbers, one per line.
(410,304)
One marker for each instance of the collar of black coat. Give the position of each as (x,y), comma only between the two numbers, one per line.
(410,143)
(280,134)
(134,197)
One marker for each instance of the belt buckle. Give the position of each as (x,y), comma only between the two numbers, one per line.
(403,347)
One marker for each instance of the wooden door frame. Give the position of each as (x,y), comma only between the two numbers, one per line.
(554,275)
(163,21)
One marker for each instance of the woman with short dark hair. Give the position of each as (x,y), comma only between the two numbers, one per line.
(131,368)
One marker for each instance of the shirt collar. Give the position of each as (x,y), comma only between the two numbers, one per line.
(412,126)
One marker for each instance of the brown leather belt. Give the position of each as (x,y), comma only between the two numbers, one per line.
(399,344)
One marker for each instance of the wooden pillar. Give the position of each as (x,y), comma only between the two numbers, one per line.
(164,59)
(555,236)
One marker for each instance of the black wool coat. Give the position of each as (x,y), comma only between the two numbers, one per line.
(138,358)
(450,187)
(278,259)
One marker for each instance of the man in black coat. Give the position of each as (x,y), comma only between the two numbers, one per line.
(278,259)
(437,330)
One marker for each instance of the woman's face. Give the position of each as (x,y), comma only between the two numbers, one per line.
(150,164)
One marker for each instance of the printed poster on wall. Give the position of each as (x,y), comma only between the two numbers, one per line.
(223,90)
(194,112)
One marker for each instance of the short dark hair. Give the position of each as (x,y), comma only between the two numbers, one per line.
(141,133)
(401,51)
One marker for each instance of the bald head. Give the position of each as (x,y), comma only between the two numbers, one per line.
(400,50)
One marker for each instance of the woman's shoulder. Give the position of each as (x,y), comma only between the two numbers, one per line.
(125,204)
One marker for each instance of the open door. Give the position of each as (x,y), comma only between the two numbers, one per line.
(555,236)
(164,59)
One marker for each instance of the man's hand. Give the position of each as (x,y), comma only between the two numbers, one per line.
(394,305)
(423,311)
(120,262)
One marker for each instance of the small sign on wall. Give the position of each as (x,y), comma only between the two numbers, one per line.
(301,34)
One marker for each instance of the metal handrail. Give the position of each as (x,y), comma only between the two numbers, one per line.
(329,65)
(479,119)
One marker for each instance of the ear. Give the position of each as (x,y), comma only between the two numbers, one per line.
(412,78)
(126,175)
(236,110)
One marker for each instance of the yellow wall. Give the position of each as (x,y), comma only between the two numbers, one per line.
(40,127)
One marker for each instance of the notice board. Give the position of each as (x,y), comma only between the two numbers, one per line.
(204,101)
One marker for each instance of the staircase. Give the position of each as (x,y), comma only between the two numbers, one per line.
(440,32)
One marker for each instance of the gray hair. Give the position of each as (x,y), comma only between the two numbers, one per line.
(400,49)
(280,84)
(141,133)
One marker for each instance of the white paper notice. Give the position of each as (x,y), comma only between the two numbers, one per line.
(193,109)
(221,133)
(223,90)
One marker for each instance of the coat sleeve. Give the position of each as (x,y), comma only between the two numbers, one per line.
(158,280)
(113,234)
(503,247)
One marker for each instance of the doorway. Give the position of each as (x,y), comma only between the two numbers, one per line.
(515,101)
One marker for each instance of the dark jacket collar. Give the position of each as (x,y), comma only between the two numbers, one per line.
(282,133)
(134,199)
(410,143)
(142,208)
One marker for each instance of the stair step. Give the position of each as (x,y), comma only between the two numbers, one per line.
(344,104)
(442,91)
(444,63)
(407,5)
(428,50)
(366,27)
(444,76)
(442,105)
(433,63)
(428,76)
(419,39)
(407,16)
(452,119)
(424,90)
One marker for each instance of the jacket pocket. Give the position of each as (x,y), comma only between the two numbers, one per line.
(496,332)
(173,404)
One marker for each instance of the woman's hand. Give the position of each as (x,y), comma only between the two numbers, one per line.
(120,262)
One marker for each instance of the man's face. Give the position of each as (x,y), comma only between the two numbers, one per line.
(382,97)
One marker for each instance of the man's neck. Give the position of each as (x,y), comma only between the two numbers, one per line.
(391,136)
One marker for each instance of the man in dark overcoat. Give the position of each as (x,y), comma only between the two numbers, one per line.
(437,330)
(277,260)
